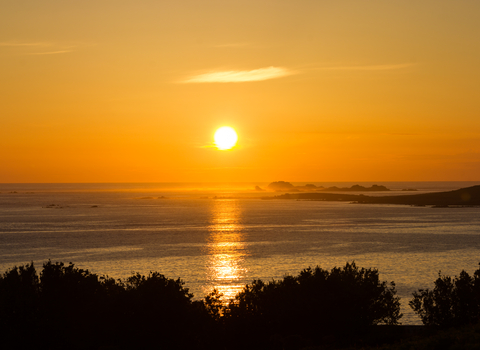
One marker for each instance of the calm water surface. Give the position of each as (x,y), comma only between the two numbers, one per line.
(226,243)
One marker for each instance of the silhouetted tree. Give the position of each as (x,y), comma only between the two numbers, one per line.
(71,305)
(452,302)
(344,301)
(214,305)
(156,305)
(19,302)
(71,308)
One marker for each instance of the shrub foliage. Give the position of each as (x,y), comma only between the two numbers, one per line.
(71,308)
(452,302)
(316,303)
(67,307)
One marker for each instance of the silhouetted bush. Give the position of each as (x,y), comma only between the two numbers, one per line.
(71,308)
(313,306)
(452,302)
(155,305)
(214,305)
(19,304)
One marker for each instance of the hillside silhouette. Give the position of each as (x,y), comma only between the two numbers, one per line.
(461,197)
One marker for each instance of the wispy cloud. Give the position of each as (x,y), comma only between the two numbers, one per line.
(50,52)
(209,145)
(240,76)
(233,45)
(36,48)
(401,134)
(370,67)
(16,44)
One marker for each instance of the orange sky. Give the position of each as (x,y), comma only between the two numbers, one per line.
(133,91)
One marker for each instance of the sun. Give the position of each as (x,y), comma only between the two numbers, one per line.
(225,138)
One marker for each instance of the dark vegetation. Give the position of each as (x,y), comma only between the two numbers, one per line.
(70,308)
(349,308)
(452,302)
(317,306)
(421,338)
(450,313)
(462,197)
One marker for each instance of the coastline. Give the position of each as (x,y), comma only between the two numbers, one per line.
(469,196)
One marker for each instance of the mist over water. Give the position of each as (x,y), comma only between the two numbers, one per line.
(182,230)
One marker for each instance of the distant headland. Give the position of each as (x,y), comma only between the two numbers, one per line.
(468,196)
(283,186)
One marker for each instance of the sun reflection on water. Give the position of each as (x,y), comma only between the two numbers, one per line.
(226,248)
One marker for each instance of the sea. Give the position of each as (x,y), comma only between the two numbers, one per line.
(225,235)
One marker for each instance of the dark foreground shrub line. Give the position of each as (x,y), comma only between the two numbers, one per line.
(68,307)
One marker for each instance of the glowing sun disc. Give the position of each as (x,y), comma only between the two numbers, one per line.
(225,138)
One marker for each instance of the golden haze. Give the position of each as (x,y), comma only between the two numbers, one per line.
(123,91)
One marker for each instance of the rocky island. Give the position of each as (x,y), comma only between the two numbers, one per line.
(283,186)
